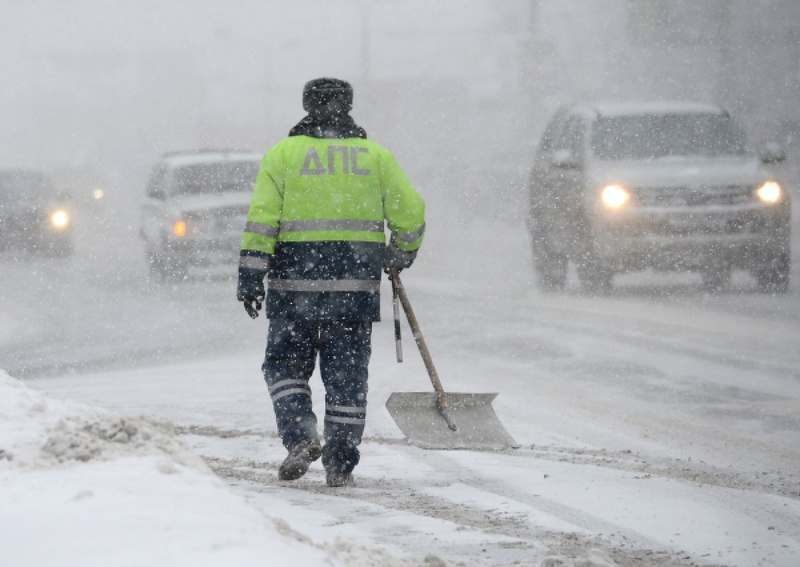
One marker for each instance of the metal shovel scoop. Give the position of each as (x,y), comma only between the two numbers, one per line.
(440,420)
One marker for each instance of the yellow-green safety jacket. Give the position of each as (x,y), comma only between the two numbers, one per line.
(316,223)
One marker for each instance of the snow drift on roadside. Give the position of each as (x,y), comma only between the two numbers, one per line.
(84,486)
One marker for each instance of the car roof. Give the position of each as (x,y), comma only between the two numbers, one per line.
(649,107)
(189,157)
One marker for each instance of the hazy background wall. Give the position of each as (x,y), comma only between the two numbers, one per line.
(459,90)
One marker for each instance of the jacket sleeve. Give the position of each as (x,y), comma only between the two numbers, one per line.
(264,215)
(403,208)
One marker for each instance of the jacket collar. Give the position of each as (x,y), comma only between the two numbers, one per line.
(339,126)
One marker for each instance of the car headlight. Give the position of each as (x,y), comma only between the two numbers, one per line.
(614,196)
(770,192)
(59,219)
(179,228)
(98,194)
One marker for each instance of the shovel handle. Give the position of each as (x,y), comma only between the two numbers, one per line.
(398,339)
(441,397)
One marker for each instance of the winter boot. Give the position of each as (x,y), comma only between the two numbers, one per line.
(336,478)
(299,459)
(339,460)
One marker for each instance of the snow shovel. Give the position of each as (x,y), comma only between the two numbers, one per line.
(440,420)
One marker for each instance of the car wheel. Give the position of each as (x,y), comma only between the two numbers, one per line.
(550,266)
(166,269)
(595,276)
(153,263)
(774,277)
(175,272)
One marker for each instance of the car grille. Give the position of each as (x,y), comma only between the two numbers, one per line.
(680,211)
(711,196)
(688,226)
(222,221)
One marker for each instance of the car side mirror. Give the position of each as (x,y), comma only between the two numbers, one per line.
(565,159)
(772,152)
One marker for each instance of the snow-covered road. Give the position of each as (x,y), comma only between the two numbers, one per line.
(657,424)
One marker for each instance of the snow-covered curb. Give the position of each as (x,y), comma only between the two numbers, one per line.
(84,486)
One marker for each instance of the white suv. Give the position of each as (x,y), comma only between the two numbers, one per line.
(668,186)
(196,209)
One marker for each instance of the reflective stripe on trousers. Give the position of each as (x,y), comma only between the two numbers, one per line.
(344,350)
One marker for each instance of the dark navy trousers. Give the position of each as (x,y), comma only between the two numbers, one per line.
(344,349)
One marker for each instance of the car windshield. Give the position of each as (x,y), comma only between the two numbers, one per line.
(215,178)
(25,187)
(658,136)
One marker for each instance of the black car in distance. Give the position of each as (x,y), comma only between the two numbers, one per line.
(34,218)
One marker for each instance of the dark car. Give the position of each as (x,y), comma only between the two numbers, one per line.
(33,216)
(666,186)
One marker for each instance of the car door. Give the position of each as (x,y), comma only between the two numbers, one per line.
(539,181)
(564,177)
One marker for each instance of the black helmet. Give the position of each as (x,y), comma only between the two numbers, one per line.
(327,96)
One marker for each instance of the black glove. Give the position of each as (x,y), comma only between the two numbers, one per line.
(397,260)
(250,290)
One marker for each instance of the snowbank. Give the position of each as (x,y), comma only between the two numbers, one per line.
(84,486)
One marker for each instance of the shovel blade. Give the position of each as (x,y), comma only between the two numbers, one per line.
(478,428)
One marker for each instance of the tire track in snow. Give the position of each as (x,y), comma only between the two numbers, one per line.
(503,514)
(509,536)
(640,466)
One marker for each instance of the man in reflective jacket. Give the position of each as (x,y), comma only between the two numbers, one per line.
(315,229)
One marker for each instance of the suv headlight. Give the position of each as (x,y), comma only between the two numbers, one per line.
(614,196)
(59,219)
(770,192)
